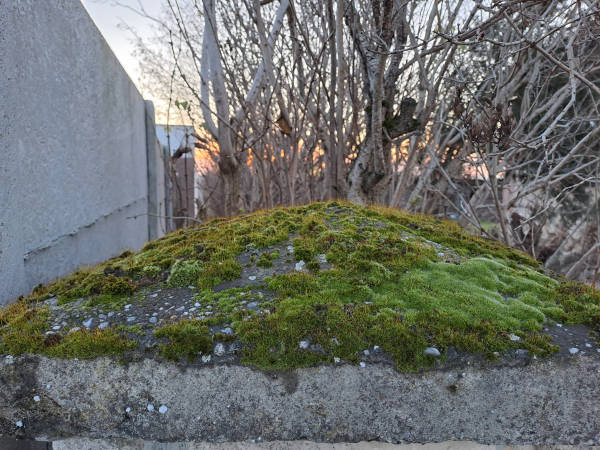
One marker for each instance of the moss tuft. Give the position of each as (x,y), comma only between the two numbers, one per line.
(117,286)
(184,273)
(187,338)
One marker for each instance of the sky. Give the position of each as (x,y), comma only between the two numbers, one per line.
(109,19)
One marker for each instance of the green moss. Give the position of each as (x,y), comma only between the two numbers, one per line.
(187,338)
(117,286)
(22,329)
(91,344)
(111,301)
(151,271)
(184,273)
(389,287)
(313,266)
(265,261)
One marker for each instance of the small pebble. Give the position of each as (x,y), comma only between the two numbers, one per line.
(103,325)
(304,345)
(48,386)
(163,409)
(205,358)
(153,320)
(127,410)
(197,304)
(155,314)
(227,331)
(431,351)
(573,350)
(57,327)
(252,305)
(186,313)
(441,255)
(559,324)
(127,306)
(514,337)
(300,265)
(19,423)
(375,347)
(102,317)
(153,296)
(588,345)
(37,398)
(88,323)
(337,360)
(366,352)
(362,364)
(110,314)
(131,319)
(191,287)
(150,407)
(252,277)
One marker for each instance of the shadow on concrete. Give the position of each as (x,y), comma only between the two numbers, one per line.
(7,443)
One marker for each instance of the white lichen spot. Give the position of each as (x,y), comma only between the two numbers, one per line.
(514,337)
(37,398)
(150,407)
(19,424)
(303,345)
(163,409)
(219,349)
(252,277)
(127,410)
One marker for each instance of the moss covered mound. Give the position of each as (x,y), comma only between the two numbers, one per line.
(343,279)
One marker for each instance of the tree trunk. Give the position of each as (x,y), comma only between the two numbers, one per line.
(372,170)
(228,161)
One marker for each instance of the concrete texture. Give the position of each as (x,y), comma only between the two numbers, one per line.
(100,444)
(73,162)
(518,402)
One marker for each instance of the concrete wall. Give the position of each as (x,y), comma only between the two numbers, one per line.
(73,153)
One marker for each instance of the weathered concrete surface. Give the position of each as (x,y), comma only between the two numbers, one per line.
(72,146)
(118,444)
(541,402)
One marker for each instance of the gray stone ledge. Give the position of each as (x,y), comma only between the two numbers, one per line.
(528,402)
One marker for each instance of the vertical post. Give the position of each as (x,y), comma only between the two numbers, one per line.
(152,161)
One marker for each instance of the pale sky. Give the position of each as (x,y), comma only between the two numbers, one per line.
(108,17)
